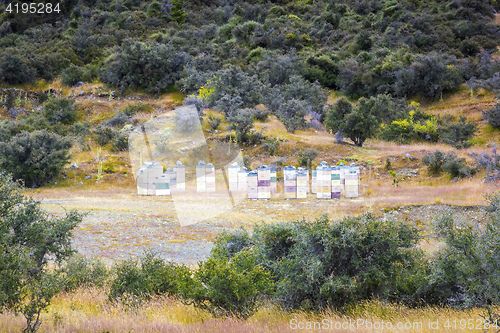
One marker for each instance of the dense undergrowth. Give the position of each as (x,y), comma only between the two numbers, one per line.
(283,54)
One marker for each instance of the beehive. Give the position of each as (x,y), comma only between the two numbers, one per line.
(242,180)
(252,182)
(172,176)
(210,177)
(352,182)
(274,182)
(180,176)
(232,172)
(290,182)
(150,171)
(323,181)
(314,183)
(162,185)
(302,185)
(201,184)
(264,182)
(142,185)
(303,170)
(336,186)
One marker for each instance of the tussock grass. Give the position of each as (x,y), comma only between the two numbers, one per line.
(88,310)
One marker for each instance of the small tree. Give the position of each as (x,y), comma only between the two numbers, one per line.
(177,12)
(492,116)
(14,70)
(334,118)
(231,286)
(35,157)
(242,122)
(60,111)
(434,162)
(360,124)
(28,238)
(306,156)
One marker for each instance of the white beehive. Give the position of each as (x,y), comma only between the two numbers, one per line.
(290,182)
(210,177)
(352,182)
(242,180)
(302,184)
(162,185)
(232,174)
(314,184)
(201,184)
(252,181)
(274,181)
(323,181)
(264,182)
(172,176)
(180,176)
(336,185)
(142,184)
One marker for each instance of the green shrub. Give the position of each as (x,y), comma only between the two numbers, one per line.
(80,271)
(306,156)
(241,121)
(457,167)
(103,135)
(434,162)
(459,133)
(322,264)
(35,157)
(492,116)
(60,111)
(214,121)
(136,281)
(232,287)
(74,74)
(261,115)
(150,66)
(465,272)
(271,146)
(14,70)
(119,142)
(450,163)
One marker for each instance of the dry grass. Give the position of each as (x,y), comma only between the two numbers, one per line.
(89,311)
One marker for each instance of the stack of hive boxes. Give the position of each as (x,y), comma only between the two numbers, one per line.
(352,182)
(242,180)
(210,177)
(264,182)
(274,183)
(232,172)
(323,181)
(162,185)
(180,177)
(146,178)
(302,187)
(314,181)
(252,181)
(303,170)
(290,182)
(336,185)
(342,168)
(142,183)
(172,175)
(201,183)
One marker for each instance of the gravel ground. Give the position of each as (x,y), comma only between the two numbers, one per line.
(118,226)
